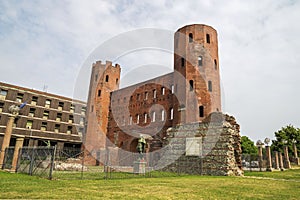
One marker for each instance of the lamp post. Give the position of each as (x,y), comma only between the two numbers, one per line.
(295,152)
(260,145)
(268,152)
(14,112)
(287,163)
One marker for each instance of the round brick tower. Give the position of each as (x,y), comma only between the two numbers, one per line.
(196,59)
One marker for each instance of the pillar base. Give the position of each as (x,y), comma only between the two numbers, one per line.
(139,167)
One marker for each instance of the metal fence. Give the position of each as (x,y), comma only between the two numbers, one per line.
(69,163)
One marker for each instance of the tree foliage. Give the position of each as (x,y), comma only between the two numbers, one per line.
(288,133)
(248,146)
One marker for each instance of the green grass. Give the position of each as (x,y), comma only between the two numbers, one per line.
(17,186)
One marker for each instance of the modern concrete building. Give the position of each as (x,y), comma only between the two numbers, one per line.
(45,117)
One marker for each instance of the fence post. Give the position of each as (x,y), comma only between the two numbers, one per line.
(19,158)
(32,161)
(52,161)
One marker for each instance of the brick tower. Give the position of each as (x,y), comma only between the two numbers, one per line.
(105,78)
(196,59)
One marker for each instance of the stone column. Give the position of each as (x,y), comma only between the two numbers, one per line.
(19,144)
(287,163)
(260,160)
(6,139)
(276,160)
(281,162)
(297,162)
(269,159)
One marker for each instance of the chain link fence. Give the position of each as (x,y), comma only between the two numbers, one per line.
(69,163)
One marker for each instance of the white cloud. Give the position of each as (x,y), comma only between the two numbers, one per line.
(46,42)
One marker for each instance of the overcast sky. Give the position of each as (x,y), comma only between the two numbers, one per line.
(47,43)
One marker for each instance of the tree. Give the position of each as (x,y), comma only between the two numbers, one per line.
(248,146)
(288,133)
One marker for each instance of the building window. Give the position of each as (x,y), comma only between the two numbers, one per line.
(172,89)
(57,128)
(201,111)
(153,116)
(29,124)
(124,99)
(216,64)
(72,108)
(182,62)
(130,120)
(34,100)
(1,106)
(20,97)
(146,95)
(44,126)
(31,112)
(138,97)
(3,94)
(191,85)
(58,117)
(145,117)
(83,110)
(48,103)
(60,106)
(96,77)
(171,113)
(46,114)
(162,115)
(190,37)
(117,81)
(200,61)
(106,78)
(210,86)
(71,118)
(99,93)
(154,94)
(137,119)
(69,130)
(131,97)
(208,38)
(163,91)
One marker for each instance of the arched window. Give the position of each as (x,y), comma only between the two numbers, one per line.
(182,62)
(154,94)
(106,78)
(200,62)
(191,85)
(171,113)
(117,81)
(201,111)
(172,89)
(145,117)
(137,119)
(99,93)
(208,38)
(162,115)
(216,64)
(163,91)
(190,37)
(153,116)
(130,120)
(210,86)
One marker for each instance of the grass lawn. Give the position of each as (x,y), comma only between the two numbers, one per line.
(274,185)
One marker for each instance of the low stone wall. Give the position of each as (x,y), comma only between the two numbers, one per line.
(211,147)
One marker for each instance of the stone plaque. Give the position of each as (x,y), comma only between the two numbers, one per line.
(193,146)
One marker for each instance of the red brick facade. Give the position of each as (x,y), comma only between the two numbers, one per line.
(189,94)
